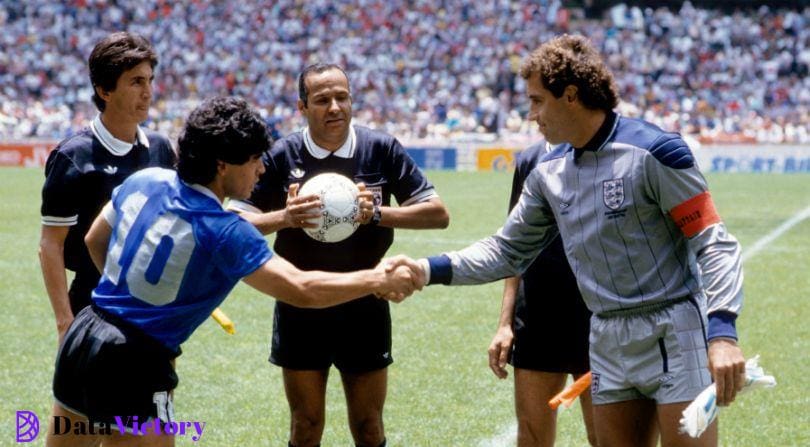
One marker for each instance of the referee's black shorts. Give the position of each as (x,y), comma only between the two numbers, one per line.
(354,336)
(106,369)
(551,323)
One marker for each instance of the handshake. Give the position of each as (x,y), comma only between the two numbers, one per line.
(402,276)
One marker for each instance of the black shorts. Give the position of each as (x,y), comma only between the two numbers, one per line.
(551,323)
(106,369)
(355,336)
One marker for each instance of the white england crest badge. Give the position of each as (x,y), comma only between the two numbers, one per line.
(613,193)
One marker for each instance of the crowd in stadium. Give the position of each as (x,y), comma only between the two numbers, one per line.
(429,70)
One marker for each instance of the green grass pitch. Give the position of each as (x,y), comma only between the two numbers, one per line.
(441,392)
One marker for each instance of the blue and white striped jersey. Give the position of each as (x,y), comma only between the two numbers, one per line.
(636,219)
(174,255)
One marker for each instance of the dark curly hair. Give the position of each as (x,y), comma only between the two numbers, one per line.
(572,60)
(220,129)
(114,55)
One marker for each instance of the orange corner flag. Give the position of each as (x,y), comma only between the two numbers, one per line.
(567,396)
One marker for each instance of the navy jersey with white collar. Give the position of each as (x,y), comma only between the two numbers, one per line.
(80,175)
(369,156)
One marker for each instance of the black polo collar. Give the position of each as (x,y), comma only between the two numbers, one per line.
(601,136)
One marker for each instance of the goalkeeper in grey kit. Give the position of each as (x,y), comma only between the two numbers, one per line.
(653,260)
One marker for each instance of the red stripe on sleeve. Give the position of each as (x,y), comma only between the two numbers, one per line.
(695,215)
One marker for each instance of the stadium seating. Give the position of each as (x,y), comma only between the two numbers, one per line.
(436,70)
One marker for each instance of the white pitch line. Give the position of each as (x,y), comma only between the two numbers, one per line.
(505,438)
(508,436)
(776,233)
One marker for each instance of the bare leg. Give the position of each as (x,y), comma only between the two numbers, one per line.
(537,423)
(68,439)
(149,440)
(365,398)
(306,395)
(669,416)
(627,423)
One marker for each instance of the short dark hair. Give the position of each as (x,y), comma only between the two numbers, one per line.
(220,129)
(319,67)
(114,55)
(572,60)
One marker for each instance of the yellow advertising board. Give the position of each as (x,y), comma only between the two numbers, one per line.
(496,158)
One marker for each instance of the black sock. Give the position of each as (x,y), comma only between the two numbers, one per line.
(383,444)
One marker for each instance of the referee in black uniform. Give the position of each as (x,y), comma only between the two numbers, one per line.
(355,337)
(82,171)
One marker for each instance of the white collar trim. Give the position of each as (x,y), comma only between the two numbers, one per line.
(112,144)
(200,188)
(345,151)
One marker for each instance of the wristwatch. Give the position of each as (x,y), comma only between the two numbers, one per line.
(376,216)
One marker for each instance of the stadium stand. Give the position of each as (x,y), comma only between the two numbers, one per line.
(420,69)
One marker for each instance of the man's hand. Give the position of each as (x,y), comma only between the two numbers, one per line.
(300,209)
(365,204)
(499,351)
(62,325)
(400,283)
(727,365)
(404,261)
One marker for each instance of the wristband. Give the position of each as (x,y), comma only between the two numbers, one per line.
(376,216)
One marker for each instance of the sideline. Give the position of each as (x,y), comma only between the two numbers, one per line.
(776,233)
(508,436)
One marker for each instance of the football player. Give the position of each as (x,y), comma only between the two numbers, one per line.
(170,254)
(652,258)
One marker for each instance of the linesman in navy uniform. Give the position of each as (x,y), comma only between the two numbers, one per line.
(542,330)
(355,337)
(82,171)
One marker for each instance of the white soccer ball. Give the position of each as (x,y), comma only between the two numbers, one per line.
(339,207)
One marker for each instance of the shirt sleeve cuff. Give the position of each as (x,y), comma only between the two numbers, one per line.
(109,214)
(722,324)
(441,270)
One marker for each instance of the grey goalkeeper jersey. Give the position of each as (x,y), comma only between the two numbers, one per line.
(636,219)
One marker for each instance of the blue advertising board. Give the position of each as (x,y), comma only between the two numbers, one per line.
(434,157)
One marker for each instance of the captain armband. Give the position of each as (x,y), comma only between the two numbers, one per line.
(695,214)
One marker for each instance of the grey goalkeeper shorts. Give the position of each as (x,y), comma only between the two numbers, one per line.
(659,353)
